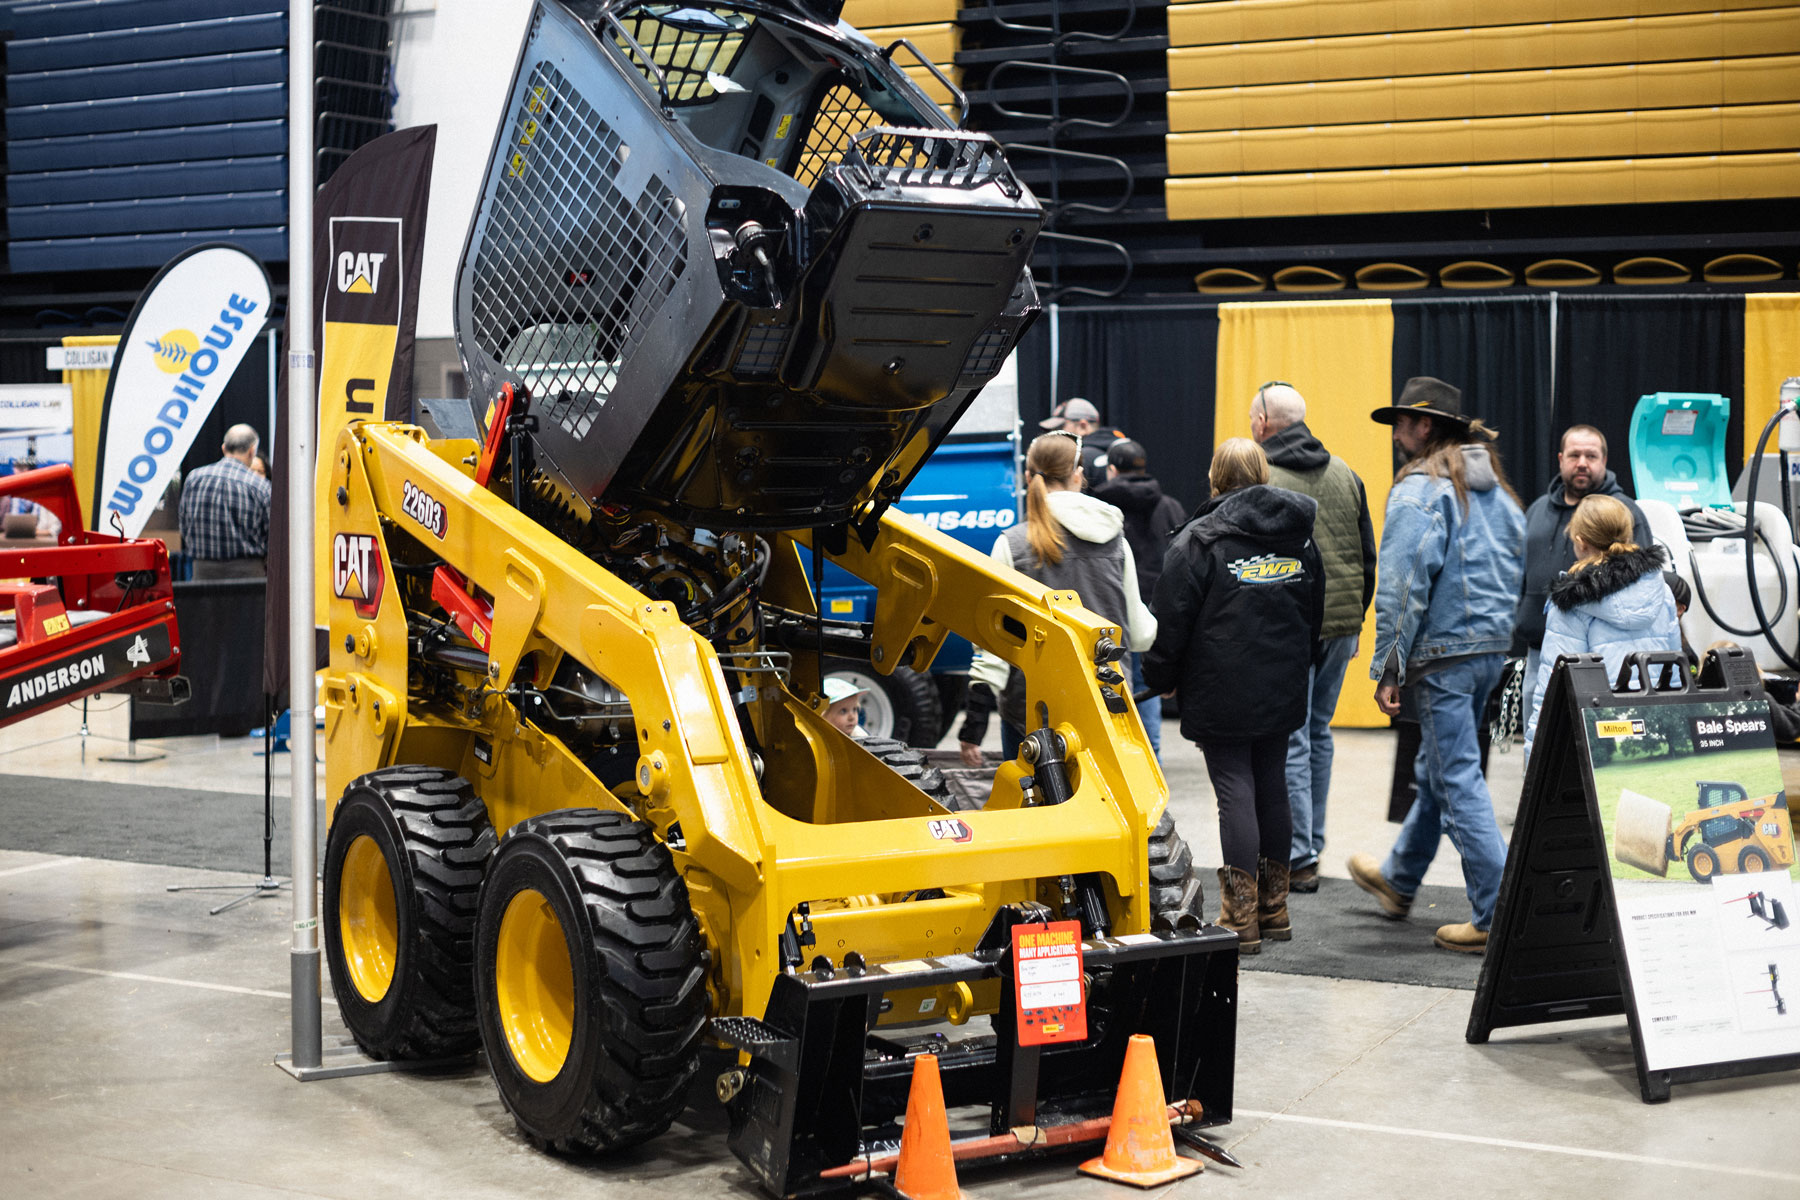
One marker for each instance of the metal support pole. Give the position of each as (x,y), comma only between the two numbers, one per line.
(302,428)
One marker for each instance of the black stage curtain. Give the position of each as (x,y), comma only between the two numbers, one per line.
(1150,371)
(1498,351)
(221,624)
(1610,350)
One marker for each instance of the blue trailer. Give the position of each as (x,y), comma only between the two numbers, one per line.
(969,490)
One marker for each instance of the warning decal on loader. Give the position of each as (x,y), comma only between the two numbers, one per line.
(1047,976)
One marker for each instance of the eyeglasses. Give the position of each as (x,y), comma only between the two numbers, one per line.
(1064,433)
(1260,399)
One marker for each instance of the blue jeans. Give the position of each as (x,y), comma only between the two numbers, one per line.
(1453,796)
(1309,752)
(1150,711)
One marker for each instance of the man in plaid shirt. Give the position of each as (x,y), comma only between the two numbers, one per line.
(225,512)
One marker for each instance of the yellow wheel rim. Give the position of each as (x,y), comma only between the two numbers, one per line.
(534,986)
(368,919)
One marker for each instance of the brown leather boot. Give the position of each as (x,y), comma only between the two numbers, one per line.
(1271,900)
(1237,907)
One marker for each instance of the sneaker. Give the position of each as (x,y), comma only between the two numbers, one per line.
(1304,879)
(1463,938)
(1365,872)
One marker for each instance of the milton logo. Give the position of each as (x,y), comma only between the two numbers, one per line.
(1266,568)
(356,572)
(951,829)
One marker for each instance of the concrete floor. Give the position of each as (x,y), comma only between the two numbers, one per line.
(137,1036)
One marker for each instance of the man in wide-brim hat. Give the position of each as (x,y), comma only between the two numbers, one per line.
(1452,555)
(1425,400)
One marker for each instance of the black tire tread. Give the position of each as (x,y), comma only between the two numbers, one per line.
(1176,896)
(653,1006)
(447,838)
(911,765)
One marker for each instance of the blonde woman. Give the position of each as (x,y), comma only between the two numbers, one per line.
(1613,602)
(1069,541)
(1241,600)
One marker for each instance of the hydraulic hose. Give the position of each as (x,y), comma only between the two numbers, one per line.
(1706,603)
(1762,617)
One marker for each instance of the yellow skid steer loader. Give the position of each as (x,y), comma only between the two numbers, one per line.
(731,278)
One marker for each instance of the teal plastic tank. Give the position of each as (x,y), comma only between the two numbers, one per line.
(1678,449)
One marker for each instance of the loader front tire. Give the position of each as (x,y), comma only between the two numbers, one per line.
(590,981)
(1176,900)
(403,869)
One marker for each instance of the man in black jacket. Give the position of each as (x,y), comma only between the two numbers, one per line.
(1580,471)
(1151,519)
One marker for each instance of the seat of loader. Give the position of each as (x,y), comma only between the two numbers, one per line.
(9,629)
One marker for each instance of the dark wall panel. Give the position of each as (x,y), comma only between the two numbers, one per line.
(1150,372)
(1498,351)
(1610,350)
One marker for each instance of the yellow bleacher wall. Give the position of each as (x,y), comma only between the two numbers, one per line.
(1303,107)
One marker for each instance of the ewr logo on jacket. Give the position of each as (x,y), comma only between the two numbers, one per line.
(1266,568)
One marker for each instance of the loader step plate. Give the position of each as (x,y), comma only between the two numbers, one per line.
(823,1089)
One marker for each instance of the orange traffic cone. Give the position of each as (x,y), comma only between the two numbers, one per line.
(927,1169)
(1139,1148)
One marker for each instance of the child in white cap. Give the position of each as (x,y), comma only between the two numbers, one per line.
(843,705)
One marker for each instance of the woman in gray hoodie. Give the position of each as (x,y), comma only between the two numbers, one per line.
(1070,542)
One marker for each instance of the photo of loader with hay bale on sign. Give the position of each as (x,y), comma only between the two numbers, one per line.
(1691,793)
(1729,832)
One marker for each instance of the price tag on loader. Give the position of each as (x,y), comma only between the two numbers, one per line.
(1051,998)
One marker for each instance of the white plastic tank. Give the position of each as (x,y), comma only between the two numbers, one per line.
(1714,570)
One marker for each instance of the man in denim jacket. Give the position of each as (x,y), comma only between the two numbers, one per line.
(1451,560)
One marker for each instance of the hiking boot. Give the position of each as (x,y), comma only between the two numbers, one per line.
(1304,879)
(1463,938)
(1237,907)
(1271,900)
(1365,872)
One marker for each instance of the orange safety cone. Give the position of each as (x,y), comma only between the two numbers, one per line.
(927,1168)
(1139,1147)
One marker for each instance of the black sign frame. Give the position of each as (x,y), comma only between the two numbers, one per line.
(1556,950)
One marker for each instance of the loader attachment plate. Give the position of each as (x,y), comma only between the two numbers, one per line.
(824,1091)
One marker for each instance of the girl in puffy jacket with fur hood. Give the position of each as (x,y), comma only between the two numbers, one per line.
(1613,602)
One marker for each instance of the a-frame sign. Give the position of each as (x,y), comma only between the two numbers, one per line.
(1651,873)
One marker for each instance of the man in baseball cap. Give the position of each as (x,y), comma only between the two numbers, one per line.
(1079,417)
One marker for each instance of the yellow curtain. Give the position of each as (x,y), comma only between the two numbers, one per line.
(1771,354)
(88,390)
(1339,354)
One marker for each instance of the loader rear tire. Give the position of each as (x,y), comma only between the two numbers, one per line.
(590,979)
(905,705)
(911,765)
(1176,899)
(403,868)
